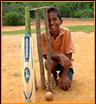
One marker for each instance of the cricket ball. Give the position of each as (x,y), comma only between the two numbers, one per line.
(48,96)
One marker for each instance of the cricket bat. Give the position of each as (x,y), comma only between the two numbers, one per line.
(28,72)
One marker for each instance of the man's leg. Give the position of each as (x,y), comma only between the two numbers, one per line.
(66,76)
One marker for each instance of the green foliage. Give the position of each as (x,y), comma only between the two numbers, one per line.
(13,19)
(87,13)
(67,9)
(78,14)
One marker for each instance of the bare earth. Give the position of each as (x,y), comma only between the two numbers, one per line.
(83,86)
(65,23)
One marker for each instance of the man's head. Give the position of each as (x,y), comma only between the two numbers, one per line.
(54,21)
(52,9)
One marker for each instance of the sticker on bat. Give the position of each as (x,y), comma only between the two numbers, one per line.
(27,74)
(27,48)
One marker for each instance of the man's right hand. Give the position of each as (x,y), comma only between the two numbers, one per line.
(62,59)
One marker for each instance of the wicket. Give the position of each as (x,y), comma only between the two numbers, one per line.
(39,45)
(38,33)
(47,45)
(39,49)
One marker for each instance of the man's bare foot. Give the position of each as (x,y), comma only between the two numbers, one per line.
(64,83)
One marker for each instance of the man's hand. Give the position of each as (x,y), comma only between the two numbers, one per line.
(64,83)
(62,59)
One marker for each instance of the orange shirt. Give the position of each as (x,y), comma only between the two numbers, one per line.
(62,43)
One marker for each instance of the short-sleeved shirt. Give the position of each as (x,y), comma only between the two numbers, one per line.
(62,44)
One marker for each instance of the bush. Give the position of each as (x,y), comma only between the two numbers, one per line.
(78,14)
(13,12)
(87,13)
(13,19)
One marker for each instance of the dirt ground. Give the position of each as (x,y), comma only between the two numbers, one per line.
(65,23)
(83,85)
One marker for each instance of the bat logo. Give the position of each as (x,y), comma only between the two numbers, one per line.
(26,74)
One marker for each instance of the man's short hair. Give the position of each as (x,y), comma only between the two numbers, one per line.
(55,10)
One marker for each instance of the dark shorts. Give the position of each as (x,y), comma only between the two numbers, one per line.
(70,71)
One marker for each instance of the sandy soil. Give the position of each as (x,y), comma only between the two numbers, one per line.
(65,23)
(83,86)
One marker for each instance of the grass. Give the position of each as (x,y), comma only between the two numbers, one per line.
(81,19)
(18,32)
(87,28)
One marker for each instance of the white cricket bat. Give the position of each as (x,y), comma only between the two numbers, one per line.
(28,72)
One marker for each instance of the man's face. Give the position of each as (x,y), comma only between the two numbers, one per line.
(54,23)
